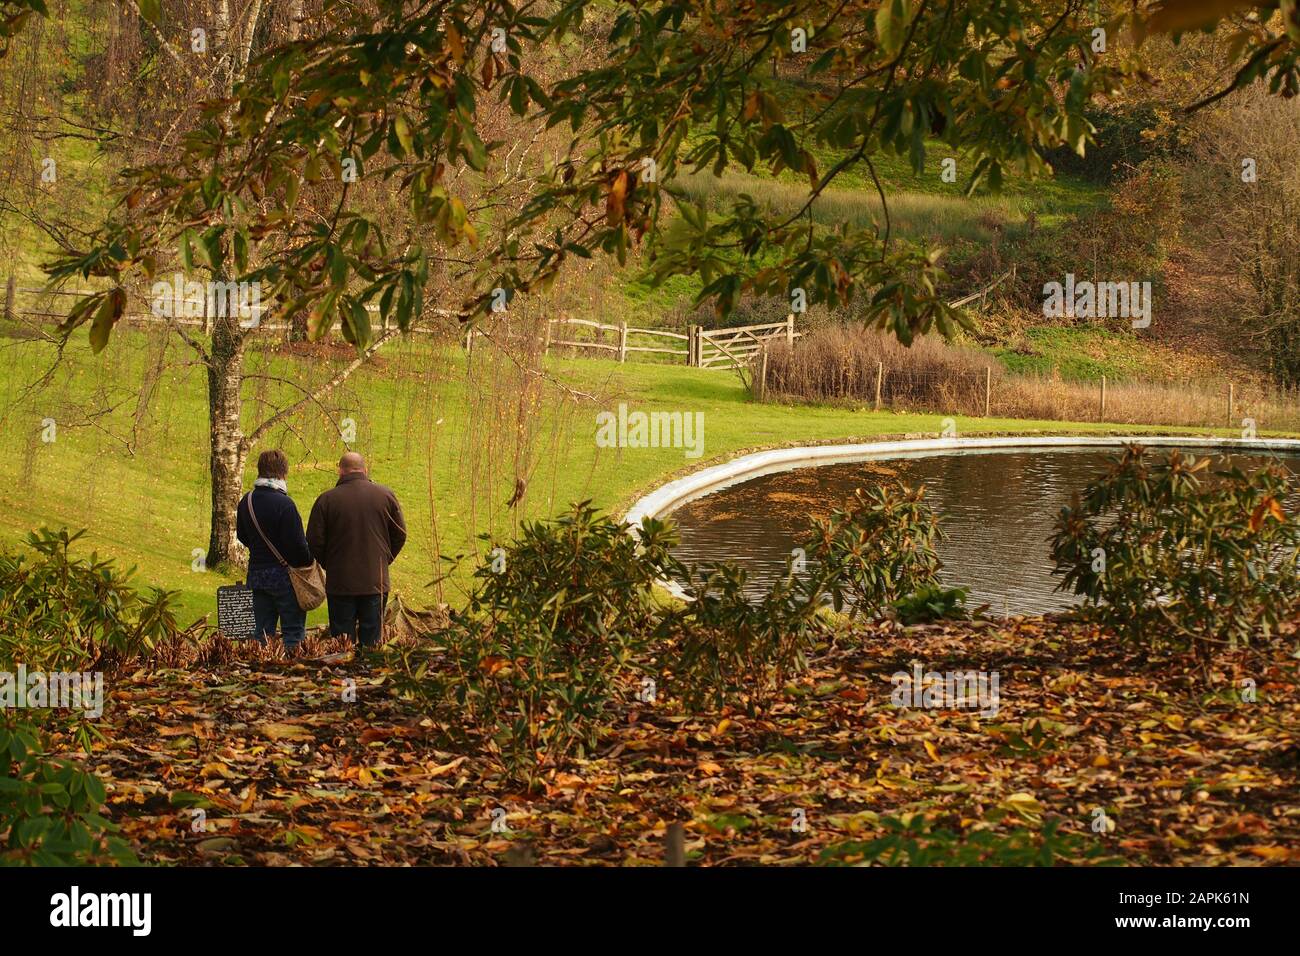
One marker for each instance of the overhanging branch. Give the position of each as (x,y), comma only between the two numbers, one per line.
(320,393)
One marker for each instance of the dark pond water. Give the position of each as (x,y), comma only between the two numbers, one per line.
(997,510)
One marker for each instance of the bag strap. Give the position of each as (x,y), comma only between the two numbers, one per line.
(253,514)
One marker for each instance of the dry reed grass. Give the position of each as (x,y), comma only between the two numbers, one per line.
(842,362)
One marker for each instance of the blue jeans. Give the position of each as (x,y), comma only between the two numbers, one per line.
(358,616)
(279,604)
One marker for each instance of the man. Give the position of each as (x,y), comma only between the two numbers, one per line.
(355,531)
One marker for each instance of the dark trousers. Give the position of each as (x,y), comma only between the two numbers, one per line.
(357,615)
(272,605)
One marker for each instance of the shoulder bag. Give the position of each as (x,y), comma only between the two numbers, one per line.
(308,583)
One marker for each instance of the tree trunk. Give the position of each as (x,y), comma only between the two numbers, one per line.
(221,41)
(227,448)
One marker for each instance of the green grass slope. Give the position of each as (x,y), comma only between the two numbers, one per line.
(135,471)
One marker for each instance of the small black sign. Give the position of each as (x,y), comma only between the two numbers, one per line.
(235,612)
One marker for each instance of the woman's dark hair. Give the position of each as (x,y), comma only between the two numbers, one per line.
(272,464)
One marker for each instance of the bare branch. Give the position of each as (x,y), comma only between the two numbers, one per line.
(318,394)
(171,50)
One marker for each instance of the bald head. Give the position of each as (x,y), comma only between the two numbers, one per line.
(352,462)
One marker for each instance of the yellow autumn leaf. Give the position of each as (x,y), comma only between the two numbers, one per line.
(1273,852)
(275,731)
(446,767)
(455,44)
(1024,804)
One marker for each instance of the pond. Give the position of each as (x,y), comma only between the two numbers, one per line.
(997,511)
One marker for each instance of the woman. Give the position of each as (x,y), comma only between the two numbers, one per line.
(278,527)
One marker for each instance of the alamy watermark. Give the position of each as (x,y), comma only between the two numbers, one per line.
(65,690)
(1086,299)
(192,299)
(75,908)
(947,690)
(626,429)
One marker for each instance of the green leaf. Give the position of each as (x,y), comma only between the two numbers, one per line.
(475,151)
(241,250)
(110,310)
(183,798)
(891,25)
(359,319)
(402,129)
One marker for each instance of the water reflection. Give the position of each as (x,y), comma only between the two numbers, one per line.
(997,512)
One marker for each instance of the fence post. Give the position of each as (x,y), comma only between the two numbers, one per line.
(469,340)
(693,347)
(789,330)
(1103,399)
(622,341)
(762,376)
(546,342)
(880,375)
(988,388)
(10,291)
(1232,389)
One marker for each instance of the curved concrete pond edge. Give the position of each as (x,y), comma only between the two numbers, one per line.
(675,493)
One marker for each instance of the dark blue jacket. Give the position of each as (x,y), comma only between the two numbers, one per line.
(280,521)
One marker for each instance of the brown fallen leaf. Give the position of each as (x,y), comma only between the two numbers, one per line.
(279,731)
(446,767)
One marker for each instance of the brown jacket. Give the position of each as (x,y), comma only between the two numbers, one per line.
(355,531)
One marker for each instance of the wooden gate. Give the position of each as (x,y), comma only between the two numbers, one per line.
(738,347)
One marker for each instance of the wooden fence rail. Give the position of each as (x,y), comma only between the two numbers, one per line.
(703,348)
(622,334)
(728,348)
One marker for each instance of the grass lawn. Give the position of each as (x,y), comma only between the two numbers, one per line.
(1083,353)
(135,472)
